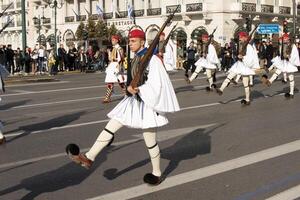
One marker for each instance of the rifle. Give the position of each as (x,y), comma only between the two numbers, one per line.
(250,39)
(168,37)
(142,65)
(5,26)
(209,40)
(281,52)
(3,11)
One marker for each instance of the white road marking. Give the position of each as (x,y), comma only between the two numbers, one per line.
(29,84)
(289,194)
(58,102)
(204,172)
(58,128)
(161,136)
(68,89)
(104,120)
(57,90)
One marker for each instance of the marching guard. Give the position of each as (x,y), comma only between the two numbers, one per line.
(244,66)
(144,107)
(208,60)
(115,71)
(288,64)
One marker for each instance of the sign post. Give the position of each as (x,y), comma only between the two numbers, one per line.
(268,29)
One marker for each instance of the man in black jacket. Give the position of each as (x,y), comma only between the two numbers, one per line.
(10,59)
(191,51)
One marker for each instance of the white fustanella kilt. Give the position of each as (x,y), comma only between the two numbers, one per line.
(241,69)
(136,114)
(113,74)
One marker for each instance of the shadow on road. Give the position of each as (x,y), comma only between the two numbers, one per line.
(52,123)
(7,106)
(198,142)
(65,176)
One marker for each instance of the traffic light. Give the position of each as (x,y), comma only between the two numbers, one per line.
(248,24)
(85,35)
(285,26)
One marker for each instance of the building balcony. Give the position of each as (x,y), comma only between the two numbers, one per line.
(123,14)
(153,11)
(194,7)
(139,13)
(267,8)
(284,10)
(46,21)
(108,15)
(70,19)
(94,16)
(249,7)
(171,9)
(81,18)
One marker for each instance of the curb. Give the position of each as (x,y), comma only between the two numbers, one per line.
(29,80)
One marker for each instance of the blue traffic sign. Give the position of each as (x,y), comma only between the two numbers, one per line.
(268,29)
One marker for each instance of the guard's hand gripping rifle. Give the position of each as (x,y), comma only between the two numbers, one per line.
(242,51)
(2,13)
(142,65)
(169,36)
(5,26)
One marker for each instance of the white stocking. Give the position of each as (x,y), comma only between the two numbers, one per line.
(150,140)
(246,86)
(292,84)
(275,75)
(196,72)
(103,139)
(237,78)
(271,67)
(209,77)
(251,79)
(285,76)
(227,81)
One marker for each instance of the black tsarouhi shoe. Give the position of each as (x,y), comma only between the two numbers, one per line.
(244,102)
(152,179)
(288,96)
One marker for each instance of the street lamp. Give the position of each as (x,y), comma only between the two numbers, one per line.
(38,21)
(55,4)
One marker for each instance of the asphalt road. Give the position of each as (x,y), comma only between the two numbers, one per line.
(213,149)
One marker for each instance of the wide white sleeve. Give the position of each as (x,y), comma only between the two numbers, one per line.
(248,59)
(294,58)
(157,92)
(212,56)
(168,55)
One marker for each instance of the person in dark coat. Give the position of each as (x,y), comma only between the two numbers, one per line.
(61,56)
(191,52)
(10,59)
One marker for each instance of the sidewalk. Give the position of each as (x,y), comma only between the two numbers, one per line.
(17,79)
(31,78)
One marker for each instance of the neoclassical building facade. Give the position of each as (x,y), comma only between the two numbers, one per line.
(194,17)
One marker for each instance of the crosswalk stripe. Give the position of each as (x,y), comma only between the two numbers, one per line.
(204,172)
(289,194)
(161,136)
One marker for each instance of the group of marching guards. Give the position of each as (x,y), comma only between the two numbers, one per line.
(149,94)
(247,65)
